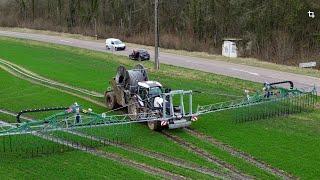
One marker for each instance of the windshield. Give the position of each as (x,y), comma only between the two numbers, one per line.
(143,52)
(117,42)
(155,91)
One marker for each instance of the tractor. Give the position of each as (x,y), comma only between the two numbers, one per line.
(144,98)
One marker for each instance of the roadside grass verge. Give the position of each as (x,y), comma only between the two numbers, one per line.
(244,61)
(268,140)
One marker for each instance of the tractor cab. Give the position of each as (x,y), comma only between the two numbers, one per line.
(150,93)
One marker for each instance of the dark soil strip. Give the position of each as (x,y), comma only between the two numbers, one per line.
(248,158)
(233,172)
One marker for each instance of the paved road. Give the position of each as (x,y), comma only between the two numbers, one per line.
(218,67)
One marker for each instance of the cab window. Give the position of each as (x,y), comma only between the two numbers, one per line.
(143,92)
(155,91)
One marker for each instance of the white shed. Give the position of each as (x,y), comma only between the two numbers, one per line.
(229,48)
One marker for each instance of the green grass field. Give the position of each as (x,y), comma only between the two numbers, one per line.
(289,143)
(155,141)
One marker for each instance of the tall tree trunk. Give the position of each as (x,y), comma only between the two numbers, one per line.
(32,9)
(60,11)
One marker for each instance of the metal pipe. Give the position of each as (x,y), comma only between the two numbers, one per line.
(182,105)
(190,103)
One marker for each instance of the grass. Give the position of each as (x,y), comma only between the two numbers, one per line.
(17,95)
(39,99)
(135,156)
(244,61)
(20,161)
(290,143)
(241,164)
(287,143)
(69,165)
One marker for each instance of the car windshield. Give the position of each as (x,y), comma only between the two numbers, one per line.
(143,52)
(117,42)
(155,91)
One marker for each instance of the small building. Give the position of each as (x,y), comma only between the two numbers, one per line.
(229,47)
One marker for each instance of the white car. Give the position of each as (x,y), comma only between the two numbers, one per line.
(116,44)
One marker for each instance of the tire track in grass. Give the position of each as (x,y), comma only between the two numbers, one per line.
(234,152)
(39,78)
(10,113)
(154,155)
(114,157)
(234,173)
(151,154)
(34,81)
(29,76)
(111,156)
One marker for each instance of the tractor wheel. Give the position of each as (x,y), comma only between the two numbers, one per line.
(155,125)
(111,100)
(133,110)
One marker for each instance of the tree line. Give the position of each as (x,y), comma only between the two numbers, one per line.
(274,30)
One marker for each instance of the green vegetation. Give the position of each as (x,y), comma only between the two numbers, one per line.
(239,60)
(241,164)
(67,165)
(290,143)
(275,30)
(135,156)
(140,132)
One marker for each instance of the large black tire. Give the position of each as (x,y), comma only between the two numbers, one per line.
(110,99)
(155,125)
(133,110)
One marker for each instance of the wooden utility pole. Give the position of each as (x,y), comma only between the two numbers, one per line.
(95,28)
(156,35)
